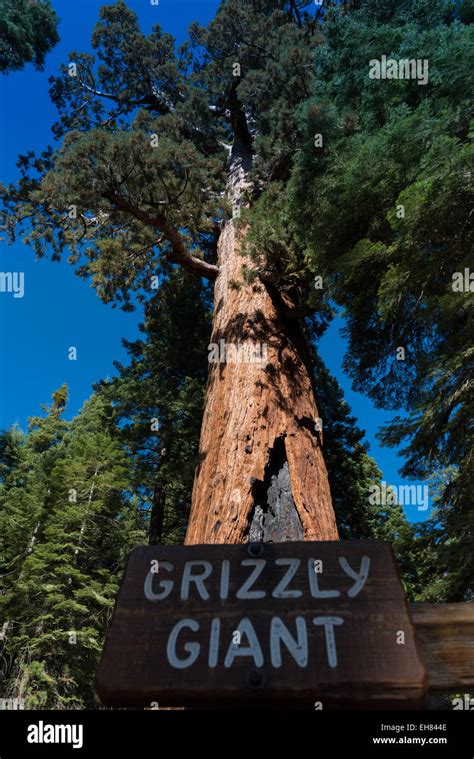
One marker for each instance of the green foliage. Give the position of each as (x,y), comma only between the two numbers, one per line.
(378,204)
(158,401)
(352,474)
(444,543)
(25,469)
(382,212)
(66,530)
(136,181)
(28,31)
(106,194)
(140,175)
(256,58)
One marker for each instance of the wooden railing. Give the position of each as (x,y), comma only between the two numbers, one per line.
(445,633)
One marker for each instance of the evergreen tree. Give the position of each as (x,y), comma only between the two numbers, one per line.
(353,473)
(25,471)
(62,599)
(158,407)
(28,31)
(158,151)
(378,207)
(267,116)
(25,500)
(444,544)
(158,400)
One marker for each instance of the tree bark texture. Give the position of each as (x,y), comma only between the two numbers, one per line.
(261,473)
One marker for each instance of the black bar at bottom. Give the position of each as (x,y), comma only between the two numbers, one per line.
(218,733)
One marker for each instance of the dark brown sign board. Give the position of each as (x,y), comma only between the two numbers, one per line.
(297,624)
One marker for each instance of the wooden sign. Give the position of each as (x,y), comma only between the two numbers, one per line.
(303,624)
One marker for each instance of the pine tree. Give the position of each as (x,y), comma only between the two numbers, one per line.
(28,31)
(25,500)
(25,471)
(62,599)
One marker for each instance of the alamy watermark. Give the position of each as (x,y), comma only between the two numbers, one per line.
(12,704)
(45,733)
(237,353)
(463,282)
(12,282)
(403,68)
(466,702)
(404,495)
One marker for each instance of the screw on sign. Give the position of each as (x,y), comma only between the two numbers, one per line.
(304,635)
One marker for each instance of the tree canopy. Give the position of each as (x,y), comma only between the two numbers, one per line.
(379,206)
(28,31)
(66,528)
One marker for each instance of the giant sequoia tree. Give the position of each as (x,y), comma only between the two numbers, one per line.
(200,169)
(159,156)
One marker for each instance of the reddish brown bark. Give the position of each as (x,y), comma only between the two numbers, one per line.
(251,406)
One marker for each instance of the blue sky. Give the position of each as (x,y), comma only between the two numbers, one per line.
(59,310)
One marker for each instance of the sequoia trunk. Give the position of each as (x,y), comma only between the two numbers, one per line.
(261,473)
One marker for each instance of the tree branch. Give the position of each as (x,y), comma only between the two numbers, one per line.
(152,101)
(160,223)
(294,9)
(283,303)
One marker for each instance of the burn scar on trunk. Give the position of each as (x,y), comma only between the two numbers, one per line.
(274,516)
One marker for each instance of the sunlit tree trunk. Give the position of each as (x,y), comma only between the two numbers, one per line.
(261,473)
